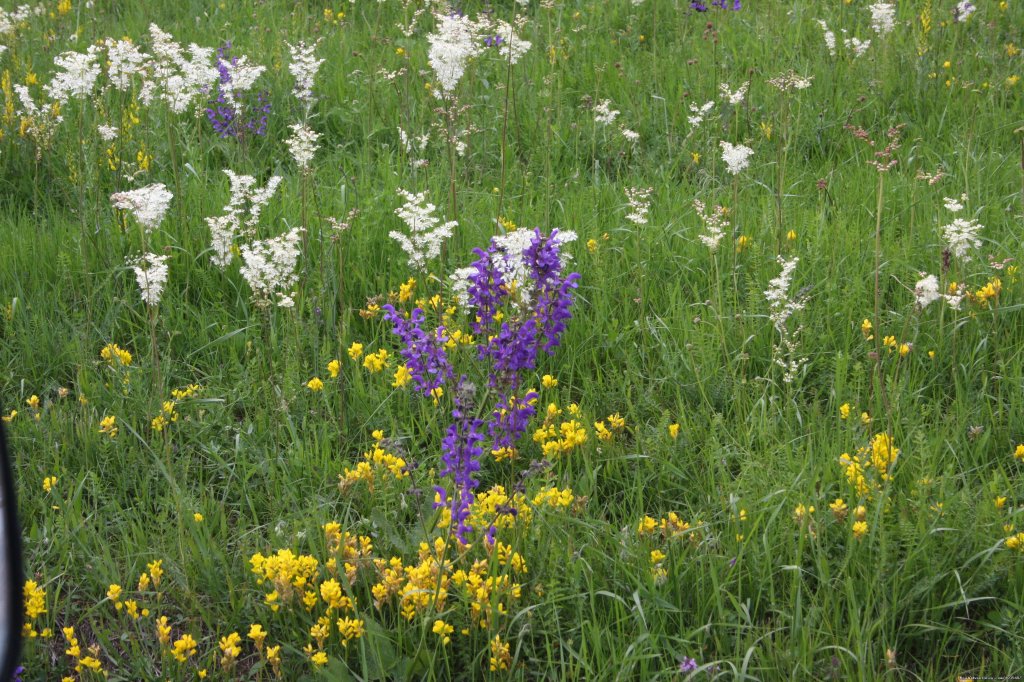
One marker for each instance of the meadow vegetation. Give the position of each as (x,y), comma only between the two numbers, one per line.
(534,339)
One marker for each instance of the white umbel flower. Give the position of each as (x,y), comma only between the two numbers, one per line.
(926,291)
(304,67)
(78,78)
(179,80)
(452,44)
(269,268)
(736,157)
(777,294)
(639,199)
(124,61)
(962,236)
(883,18)
(954,205)
(108,133)
(426,232)
(302,145)
(148,204)
(830,38)
(715,224)
(734,97)
(151,274)
(697,114)
(603,112)
(240,215)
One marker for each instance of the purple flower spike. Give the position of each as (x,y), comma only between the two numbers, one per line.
(460,453)
(423,351)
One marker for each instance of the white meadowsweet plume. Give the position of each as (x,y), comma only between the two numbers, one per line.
(830,38)
(240,215)
(791,81)
(883,18)
(715,224)
(856,45)
(781,307)
(954,205)
(151,273)
(269,268)
(697,114)
(108,133)
(78,78)
(414,147)
(630,135)
(734,97)
(963,11)
(302,145)
(639,199)
(124,61)
(426,232)
(926,291)
(243,76)
(148,204)
(736,157)
(40,122)
(510,45)
(303,67)
(452,44)
(177,79)
(962,236)
(603,112)
(11,20)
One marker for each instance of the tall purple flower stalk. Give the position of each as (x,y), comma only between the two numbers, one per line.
(460,453)
(554,296)
(424,352)
(247,116)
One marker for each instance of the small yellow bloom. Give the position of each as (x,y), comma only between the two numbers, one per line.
(673,431)
(549,381)
(860,529)
(334,367)
(1000,502)
(1019,452)
(184,648)
(107,426)
(197,517)
(443,631)
(319,659)
(257,634)
(791,235)
(592,245)
(402,376)
(844,411)
(315,384)
(355,351)
(48,483)
(839,509)
(695,157)
(743,242)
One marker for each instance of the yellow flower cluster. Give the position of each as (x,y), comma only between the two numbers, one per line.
(553,497)
(878,458)
(616,424)
(288,572)
(376,461)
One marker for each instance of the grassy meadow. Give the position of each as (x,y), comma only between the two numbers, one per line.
(781,435)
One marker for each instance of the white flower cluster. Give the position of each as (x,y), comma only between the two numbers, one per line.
(962,236)
(883,18)
(855,45)
(639,199)
(963,11)
(269,268)
(178,79)
(304,67)
(414,147)
(509,260)
(10,20)
(603,112)
(148,204)
(734,97)
(107,133)
(302,145)
(240,215)
(78,78)
(452,44)
(926,292)
(697,114)
(736,157)
(715,224)
(954,205)
(151,274)
(426,231)
(791,81)
(781,307)
(511,47)
(124,61)
(243,76)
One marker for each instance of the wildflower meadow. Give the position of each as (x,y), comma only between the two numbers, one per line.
(515,339)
